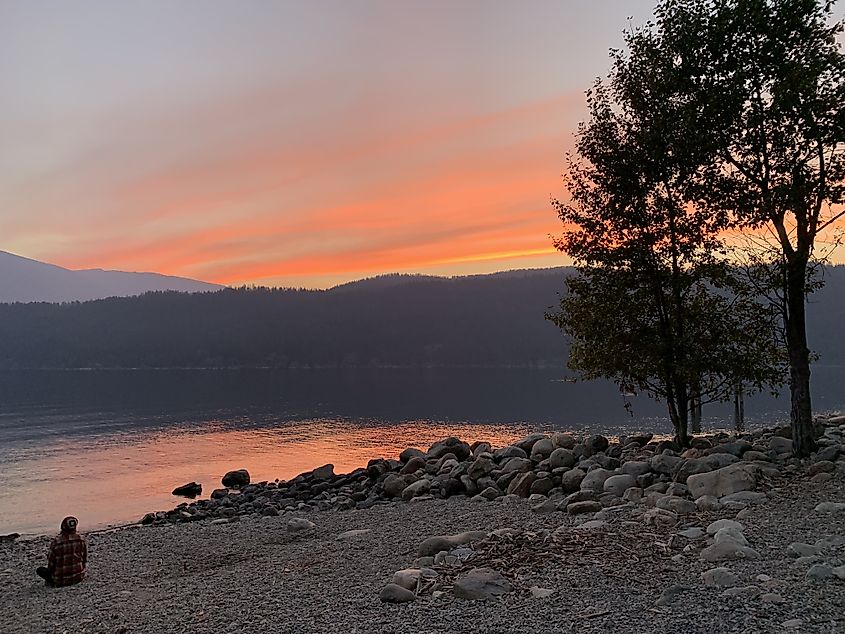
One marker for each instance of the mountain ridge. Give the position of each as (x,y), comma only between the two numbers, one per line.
(25,280)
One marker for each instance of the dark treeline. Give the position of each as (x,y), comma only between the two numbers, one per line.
(493,320)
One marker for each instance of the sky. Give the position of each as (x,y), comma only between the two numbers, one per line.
(294,143)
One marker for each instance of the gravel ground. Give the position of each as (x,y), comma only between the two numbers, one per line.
(253,576)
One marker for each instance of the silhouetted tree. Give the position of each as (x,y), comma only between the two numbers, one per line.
(655,305)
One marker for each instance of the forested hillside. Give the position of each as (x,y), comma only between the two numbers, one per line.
(492,320)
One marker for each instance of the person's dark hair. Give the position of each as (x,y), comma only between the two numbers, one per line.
(69,524)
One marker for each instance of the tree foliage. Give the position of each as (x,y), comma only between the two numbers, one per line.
(766,81)
(656,305)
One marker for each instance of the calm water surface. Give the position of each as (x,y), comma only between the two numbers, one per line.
(109,446)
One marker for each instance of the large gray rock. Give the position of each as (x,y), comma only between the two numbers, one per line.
(239,478)
(516,465)
(780,445)
(571,480)
(579,508)
(411,452)
(527,443)
(562,458)
(418,488)
(595,444)
(481,466)
(594,480)
(676,505)
(392,593)
(326,472)
(636,468)
(665,463)
(521,484)
(715,527)
(448,445)
(724,481)
(618,484)
(542,449)
(830,507)
(481,584)
(509,452)
(394,485)
(413,465)
(564,440)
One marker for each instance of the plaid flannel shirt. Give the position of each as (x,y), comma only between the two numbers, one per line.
(67,559)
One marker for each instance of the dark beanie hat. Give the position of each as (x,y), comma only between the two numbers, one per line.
(69,524)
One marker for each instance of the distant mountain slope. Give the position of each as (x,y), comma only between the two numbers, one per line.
(25,280)
(394,320)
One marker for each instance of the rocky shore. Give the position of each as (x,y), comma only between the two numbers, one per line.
(552,534)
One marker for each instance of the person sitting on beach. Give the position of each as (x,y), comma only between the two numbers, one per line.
(67,558)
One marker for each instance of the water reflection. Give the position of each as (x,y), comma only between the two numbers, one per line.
(114,481)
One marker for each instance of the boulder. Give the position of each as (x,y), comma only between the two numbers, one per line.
(481,466)
(595,479)
(451,445)
(636,468)
(562,458)
(521,484)
(394,485)
(190,490)
(491,493)
(660,517)
(830,507)
(326,472)
(780,445)
(527,443)
(418,488)
(822,466)
(618,484)
(578,508)
(542,486)
(724,481)
(595,444)
(235,479)
(410,577)
(509,452)
(391,593)
(411,452)
(481,584)
(516,465)
(665,463)
(542,449)
(571,480)
(563,440)
(413,465)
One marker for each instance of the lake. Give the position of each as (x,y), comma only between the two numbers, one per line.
(108,446)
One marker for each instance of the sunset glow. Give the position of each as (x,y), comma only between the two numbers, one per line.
(293,144)
(297,144)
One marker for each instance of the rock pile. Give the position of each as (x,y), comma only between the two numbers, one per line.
(588,478)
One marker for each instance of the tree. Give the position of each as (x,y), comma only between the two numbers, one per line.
(655,306)
(767,81)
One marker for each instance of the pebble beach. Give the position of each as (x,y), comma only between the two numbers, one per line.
(613,570)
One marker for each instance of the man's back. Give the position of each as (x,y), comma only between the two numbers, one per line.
(67,559)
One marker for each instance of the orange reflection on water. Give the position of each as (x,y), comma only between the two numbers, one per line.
(118,479)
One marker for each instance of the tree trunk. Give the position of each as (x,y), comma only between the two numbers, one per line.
(678,403)
(695,406)
(801,413)
(739,408)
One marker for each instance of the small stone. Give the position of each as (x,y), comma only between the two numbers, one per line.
(692,533)
(822,466)
(299,525)
(577,508)
(792,623)
(830,507)
(354,534)
(839,572)
(669,594)
(708,503)
(797,549)
(772,597)
(763,578)
(726,551)
(591,525)
(746,497)
(714,527)
(719,578)
(540,593)
(729,534)
(743,592)
(392,593)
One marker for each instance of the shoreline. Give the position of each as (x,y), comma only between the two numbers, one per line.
(255,574)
